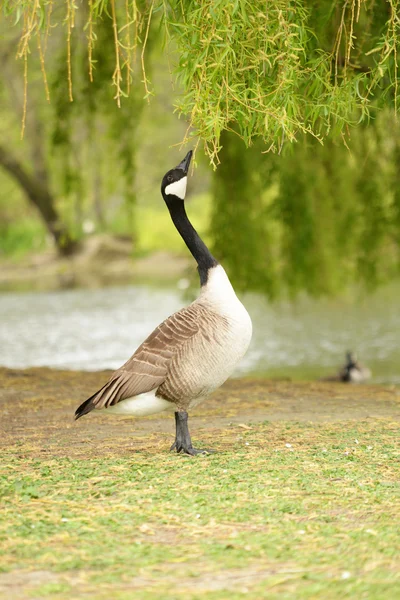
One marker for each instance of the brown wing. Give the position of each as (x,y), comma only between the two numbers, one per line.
(147,369)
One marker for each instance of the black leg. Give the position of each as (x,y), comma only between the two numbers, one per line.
(183,442)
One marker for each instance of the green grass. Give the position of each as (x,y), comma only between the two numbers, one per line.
(291,511)
(20,237)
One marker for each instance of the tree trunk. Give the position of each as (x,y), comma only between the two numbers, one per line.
(39,194)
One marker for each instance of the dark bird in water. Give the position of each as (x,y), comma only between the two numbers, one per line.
(351,372)
(192,352)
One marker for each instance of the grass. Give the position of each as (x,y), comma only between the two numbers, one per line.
(20,237)
(289,510)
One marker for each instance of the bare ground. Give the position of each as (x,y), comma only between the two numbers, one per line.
(37,407)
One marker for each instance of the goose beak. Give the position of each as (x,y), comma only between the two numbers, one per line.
(184,165)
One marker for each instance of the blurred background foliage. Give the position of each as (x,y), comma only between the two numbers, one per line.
(295,103)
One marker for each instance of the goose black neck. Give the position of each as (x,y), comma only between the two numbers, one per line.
(193,241)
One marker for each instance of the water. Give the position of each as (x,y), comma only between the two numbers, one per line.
(100,329)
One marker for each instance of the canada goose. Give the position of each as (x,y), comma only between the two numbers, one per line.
(192,352)
(351,372)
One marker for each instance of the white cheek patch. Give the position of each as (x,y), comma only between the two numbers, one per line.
(178,188)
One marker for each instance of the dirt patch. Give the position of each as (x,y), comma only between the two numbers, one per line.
(19,585)
(227,579)
(23,584)
(37,407)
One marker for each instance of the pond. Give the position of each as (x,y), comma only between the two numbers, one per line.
(100,329)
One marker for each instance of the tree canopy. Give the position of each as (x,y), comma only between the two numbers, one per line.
(294,103)
(264,69)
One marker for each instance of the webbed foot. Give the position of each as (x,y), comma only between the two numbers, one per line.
(191,451)
(183,442)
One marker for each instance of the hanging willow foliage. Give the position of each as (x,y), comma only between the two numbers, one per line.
(265,69)
(262,73)
(323,218)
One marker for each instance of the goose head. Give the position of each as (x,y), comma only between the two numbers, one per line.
(351,360)
(174,182)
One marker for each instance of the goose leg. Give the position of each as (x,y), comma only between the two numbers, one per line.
(183,442)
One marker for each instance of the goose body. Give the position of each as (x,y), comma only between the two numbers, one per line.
(193,351)
(187,357)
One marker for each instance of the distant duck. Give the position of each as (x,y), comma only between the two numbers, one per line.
(351,372)
(192,352)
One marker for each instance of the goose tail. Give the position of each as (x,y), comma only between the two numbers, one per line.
(87,406)
(84,408)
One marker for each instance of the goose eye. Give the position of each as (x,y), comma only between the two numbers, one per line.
(169,178)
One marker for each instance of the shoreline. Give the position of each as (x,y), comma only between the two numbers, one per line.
(103,260)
